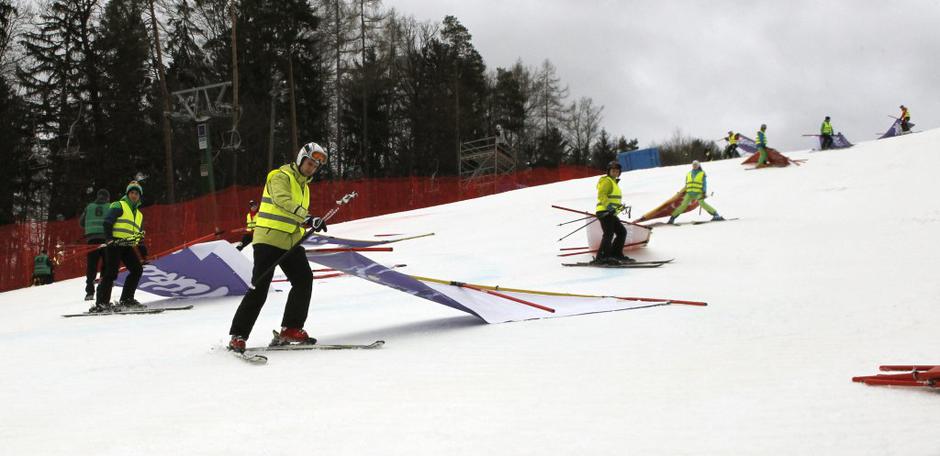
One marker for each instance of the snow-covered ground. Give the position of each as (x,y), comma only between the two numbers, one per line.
(830,271)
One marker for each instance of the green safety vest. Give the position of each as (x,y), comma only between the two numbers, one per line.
(272,216)
(41,265)
(94,218)
(606,198)
(695,184)
(826,128)
(250,221)
(127,226)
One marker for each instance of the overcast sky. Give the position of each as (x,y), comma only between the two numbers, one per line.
(709,67)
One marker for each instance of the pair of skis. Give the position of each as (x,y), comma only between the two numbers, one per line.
(252,356)
(634,265)
(697,222)
(144,311)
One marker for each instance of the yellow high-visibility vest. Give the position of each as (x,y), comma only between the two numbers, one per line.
(695,184)
(127,226)
(605,198)
(272,216)
(250,221)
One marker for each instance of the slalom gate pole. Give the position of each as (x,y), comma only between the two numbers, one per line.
(672,301)
(579,229)
(501,295)
(329,214)
(350,249)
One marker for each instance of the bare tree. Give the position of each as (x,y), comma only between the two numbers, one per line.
(582,126)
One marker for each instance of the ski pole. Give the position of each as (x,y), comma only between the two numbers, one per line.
(576,220)
(329,214)
(579,229)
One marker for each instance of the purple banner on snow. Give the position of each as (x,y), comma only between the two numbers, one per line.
(746,144)
(838,142)
(355,264)
(895,129)
(205,272)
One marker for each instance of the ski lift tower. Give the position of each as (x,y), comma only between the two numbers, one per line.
(200,105)
(482,161)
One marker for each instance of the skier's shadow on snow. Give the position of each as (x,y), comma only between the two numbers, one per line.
(418,328)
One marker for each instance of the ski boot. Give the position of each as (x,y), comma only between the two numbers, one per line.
(130,304)
(717,218)
(672,220)
(237,344)
(289,336)
(101,308)
(623,259)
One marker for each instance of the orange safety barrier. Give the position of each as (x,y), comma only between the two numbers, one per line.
(169,226)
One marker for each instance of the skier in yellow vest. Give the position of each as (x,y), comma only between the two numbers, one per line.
(762,146)
(279,226)
(695,188)
(731,150)
(905,119)
(249,225)
(123,230)
(609,204)
(825,134)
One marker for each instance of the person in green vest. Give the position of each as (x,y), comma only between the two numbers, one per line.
(762,146)
(825,134)
(250,221)
(731,150)
(92,220)
(42,269)
(695,190)
(609,204)
(123,230)
(279,227)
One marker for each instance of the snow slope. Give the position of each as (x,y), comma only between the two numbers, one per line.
(829,272)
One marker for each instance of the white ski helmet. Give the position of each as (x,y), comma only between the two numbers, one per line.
(312,151)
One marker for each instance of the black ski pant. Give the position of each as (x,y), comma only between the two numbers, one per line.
(905,125)
(615,234)
(298,272)
(91,269)
(114,255)
(826,142)
(731,151)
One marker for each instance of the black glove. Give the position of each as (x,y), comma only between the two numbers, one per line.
(316,223)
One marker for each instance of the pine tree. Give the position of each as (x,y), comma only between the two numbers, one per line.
(61,82)
(134,144)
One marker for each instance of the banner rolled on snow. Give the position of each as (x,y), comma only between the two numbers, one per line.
(895,129)
(208,270)
(746,144)
(666,209)
(490,304)
(838,142)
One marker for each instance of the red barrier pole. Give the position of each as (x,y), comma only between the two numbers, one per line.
(351,249)
(494,293)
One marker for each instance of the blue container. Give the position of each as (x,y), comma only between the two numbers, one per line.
(639,159)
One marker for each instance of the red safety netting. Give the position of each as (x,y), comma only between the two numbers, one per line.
(222,215)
